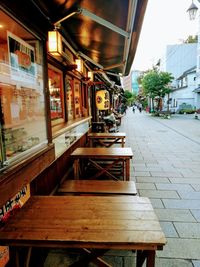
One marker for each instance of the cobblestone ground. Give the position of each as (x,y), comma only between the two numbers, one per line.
(166,168)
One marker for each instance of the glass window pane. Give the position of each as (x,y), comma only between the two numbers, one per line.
(56,93)
(23,122)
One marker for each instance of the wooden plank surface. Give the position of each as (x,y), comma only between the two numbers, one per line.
(98,187)
(124,222)
(102,152)
(106,135)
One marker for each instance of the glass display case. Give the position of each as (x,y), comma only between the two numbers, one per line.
(22,109)
(69,137)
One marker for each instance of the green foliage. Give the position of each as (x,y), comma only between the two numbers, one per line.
(191,39)
(155,84)
(129,97)
(186,111)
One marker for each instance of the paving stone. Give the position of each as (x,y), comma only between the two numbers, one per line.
(185,180)
(142,173)
(168,229)
(156,203)
(114,261)
(196,214)
(152,180)
(196,187)
(188,230)
(189,195)
(173,215)
(181,204)
(158,194)
(182,187)
(145,186)
(196,263)
(161,262)
(178,248)
(165,174)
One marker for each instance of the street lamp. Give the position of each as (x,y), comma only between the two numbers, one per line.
(192,10)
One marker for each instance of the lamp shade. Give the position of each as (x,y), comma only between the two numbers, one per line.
(79,64)
(91,76)
(102,100)
(54,43)
(192,10)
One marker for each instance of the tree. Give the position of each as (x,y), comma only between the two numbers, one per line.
(191,39)
(129,97)
(156,85)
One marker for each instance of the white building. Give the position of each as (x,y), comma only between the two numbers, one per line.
(181,62)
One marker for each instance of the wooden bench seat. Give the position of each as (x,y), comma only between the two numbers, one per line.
(97,187)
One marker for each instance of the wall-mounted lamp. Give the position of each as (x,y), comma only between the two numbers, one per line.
(55,43)
(79,64)
(91,76)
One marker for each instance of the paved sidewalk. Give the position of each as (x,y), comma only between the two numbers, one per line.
(166,168)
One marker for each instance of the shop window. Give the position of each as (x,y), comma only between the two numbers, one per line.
(77,98)
(70,97)
(22,110)
(56,94)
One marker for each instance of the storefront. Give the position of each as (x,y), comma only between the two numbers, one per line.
(48,99)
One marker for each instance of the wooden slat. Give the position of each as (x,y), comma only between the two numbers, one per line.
(48,221)
(102,152)
(98,187)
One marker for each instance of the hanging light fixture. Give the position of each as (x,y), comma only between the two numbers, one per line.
(91,76)
(102,100)
(55,43)
(192,10)
(79,64)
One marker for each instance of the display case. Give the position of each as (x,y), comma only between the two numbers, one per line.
(70,136)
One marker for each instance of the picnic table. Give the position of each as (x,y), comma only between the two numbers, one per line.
(98,155)
(106,139)
(99,223)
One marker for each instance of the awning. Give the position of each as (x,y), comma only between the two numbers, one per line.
(105,33)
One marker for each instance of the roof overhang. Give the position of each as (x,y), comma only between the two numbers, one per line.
(104,33)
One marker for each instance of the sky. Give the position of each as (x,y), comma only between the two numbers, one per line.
(166,22)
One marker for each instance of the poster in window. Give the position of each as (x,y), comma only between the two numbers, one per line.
(56,93)
(22,59)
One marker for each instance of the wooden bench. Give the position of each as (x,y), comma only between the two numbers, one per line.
(97,187)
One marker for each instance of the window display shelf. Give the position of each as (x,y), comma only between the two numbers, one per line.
(70,136)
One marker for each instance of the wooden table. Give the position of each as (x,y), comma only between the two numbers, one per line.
(95,156)
(106,139)
(92,222)
(97,187)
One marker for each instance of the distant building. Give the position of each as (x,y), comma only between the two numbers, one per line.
(127,82)
(130,82)
(181,61)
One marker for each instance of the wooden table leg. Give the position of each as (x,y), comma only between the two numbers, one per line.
(76,169)
(127,169)
(148,255)
(151,254)
(122,141)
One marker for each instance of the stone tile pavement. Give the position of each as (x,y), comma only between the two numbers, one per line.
(166,168)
